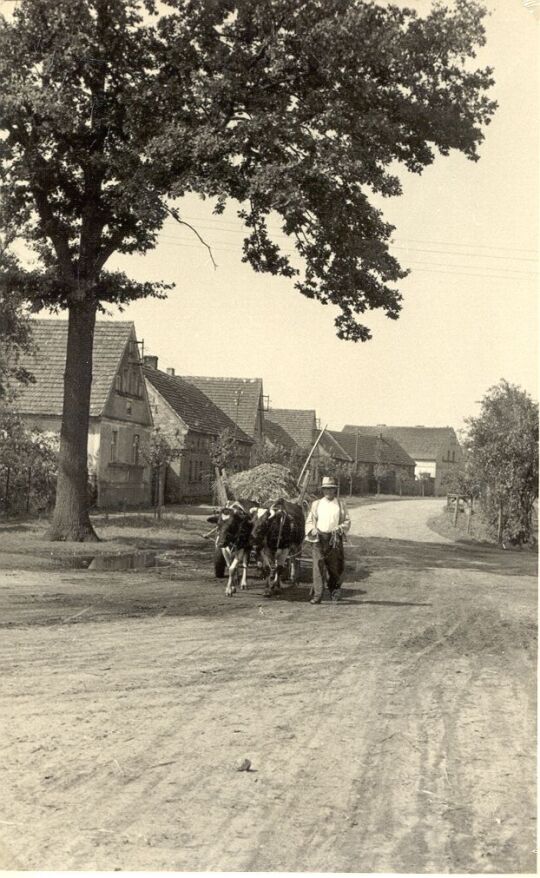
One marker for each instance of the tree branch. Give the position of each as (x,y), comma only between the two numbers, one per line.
(182,222)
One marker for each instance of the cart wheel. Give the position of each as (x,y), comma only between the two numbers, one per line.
(220,565)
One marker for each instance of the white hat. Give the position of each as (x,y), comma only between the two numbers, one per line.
(328,482)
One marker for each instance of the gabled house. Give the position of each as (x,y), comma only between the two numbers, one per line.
(435,450)
(369,451)
(120,416)
(241,399)
(300,428)
(299,424)
(180,407)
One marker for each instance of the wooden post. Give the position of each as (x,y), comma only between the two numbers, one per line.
(469,516)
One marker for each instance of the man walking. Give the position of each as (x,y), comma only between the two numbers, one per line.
(327,522)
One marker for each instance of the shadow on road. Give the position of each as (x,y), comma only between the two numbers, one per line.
(377,553)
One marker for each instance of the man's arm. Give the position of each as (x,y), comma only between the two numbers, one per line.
(311,520)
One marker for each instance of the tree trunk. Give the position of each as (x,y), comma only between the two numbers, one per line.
(71,521)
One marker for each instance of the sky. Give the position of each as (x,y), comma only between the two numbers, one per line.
(468,231)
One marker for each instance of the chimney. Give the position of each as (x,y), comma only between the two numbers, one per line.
(151,361)
(170,371)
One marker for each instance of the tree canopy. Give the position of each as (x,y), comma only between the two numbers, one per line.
(112,111)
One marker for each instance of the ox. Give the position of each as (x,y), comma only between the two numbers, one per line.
(277,535)
(234,525)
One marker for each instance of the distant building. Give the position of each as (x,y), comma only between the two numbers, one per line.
(368,451)
(178,405)
(120,417)
(241,399)
(435,450)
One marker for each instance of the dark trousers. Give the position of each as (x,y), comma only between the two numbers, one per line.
(328,564)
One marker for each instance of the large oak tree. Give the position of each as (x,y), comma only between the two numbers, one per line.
(112,110)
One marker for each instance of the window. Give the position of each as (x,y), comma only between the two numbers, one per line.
(118,382)
(190,471)
(453,456)
(135,449)
(114,446)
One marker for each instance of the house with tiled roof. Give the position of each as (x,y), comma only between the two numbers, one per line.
(120,416)
(299,424)
(294,429)
(436,450)
(370,451)
(241,399)
(180,406)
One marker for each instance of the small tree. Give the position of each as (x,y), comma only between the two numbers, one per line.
(503,446)
(28,465)
(224,452)
(380,472)
(165,446)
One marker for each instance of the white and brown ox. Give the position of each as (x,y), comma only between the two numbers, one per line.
(277,536)
(234,524)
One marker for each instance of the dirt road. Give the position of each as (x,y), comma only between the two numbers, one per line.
(404,519)
(392,732)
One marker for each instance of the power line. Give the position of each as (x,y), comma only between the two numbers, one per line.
(419,250)
(519,276)
(236,227)
(227,246)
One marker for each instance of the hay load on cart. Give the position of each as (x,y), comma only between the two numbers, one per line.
(264,483)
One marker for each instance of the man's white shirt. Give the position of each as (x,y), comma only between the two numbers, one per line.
(328,515)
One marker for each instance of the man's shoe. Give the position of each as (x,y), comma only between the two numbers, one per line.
(315,600)
(336,595)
